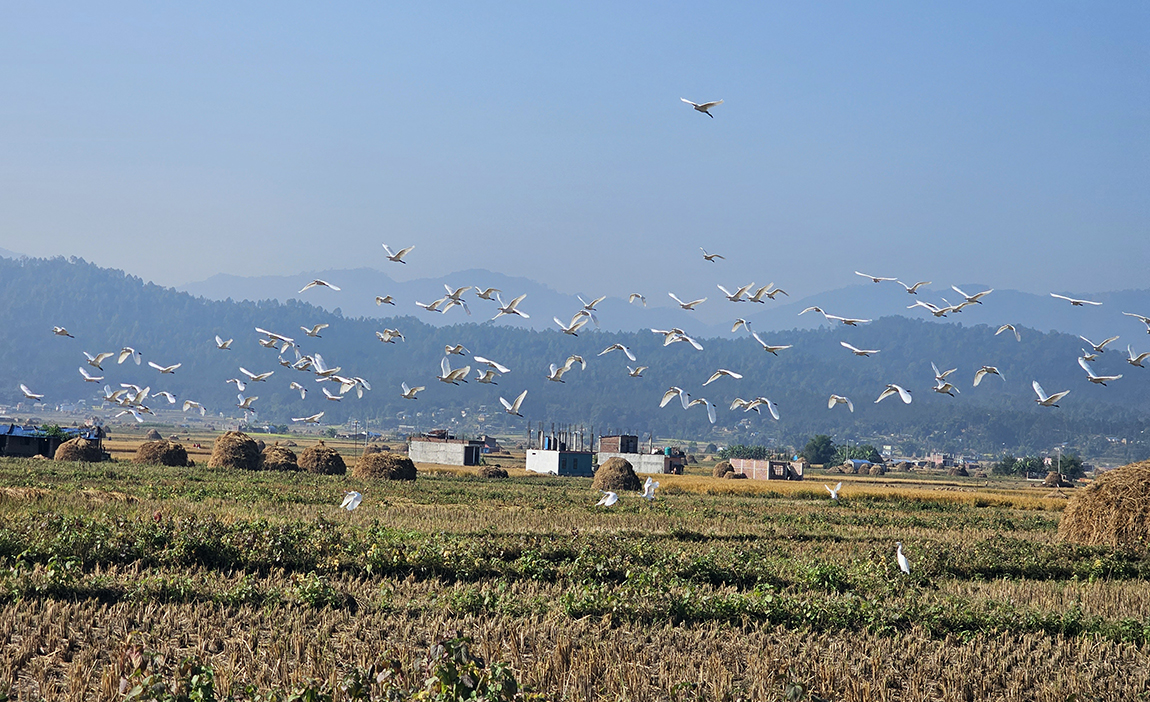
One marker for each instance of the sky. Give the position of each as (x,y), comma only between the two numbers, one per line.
(1004,144)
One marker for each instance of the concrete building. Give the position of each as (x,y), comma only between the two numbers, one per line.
(769,470)
(31,441)
(444,449)
(626,446)
(559,451)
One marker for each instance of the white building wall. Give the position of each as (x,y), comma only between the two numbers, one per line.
(641,462)
(447,454)
(539,461)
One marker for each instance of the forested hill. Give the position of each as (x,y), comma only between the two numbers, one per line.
(107,309)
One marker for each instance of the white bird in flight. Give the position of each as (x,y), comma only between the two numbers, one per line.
(96,360)
(940,375)
(1004,327)
(486,376)
(61,331)
(432,306)
(165,370)
(485,294)
(240,385)
(1099,348)
(398,256)
(223,345)
(457,350)
(649,488)
(875,278)
(903,564)
(892,389)
(492,364)
(740,322)
(720,373)
(409,393)
(773,350)
(834,491)
(454,377)
(618,347)
(192,404)
(705,107)
(849,321)
(331,396)
(510,308)
(29,394)
(90,378)
(1073,301)
(840,400)
(1092,376)
(576,324)
(684,398)
(857,351)
(317,283)
(972,299)
(1047,400)
(1145,320)
(944,388)
(636,296)
(129,352)
(1136,360)
(609,498)
(913,289)
(388,336)
(384,300)
(256,377)
(302,390)
(313,419)
(314,331)
(687,305)
(706,403)
(351,500)
(246,402)
(736,296)
(513,407)
(636,372)
(933,309)
(985,371)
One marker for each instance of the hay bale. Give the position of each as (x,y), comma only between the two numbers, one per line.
(721,468)
(492,472)
(153,435)
(1056,480)
(1113,510)
(235,449)
(322,459)
(384,466)
(278,458)
(958,471)
(79,449)
(903,466)
(260,444)
(735,476)
(980,474)
(371,449)
(290,443)
(161,453)
(615,475)
(877,469)
(692,460)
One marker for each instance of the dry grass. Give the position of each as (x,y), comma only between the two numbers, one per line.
(1114,509)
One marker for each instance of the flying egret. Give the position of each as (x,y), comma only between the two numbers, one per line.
(166,395)
(618,347)
(740,322)
(450,302)
(1004,327)
(256,377)
(1099,348)
(1089,356)
(1073,301)
(302,390)
(240,385)
(849,321)
(457,350)
(556,373)
(315,330)
(684,398)
(706,403)
(720,373)
(840,400)
(933,309)
(453,377)
(1145,320)
(246,403)
(576,324)
(29,394)
(165,370)
(609,498)
(388,336)
(772,407)
(96,360)
(765,291)
(192,404)
(590,306)
(129,352)
(1092,377)
(313,419)
(857,351)
(513,407)
(875,278)
(636,372)
(485,294)
(351,500)
(892,389)
(222,344)
(940,375)
(649,488)
(903,564)
(773,350)
(1047,400)
(397,256)
(132,411)
(385,300)
(492,364)
(985,371)
(510,308)
(456,293)
(972,299)
(834,491)
(945,388)
(317,283)
(409,393)
(636,296)
(61,331)
(331,396)
(705,108)
(1135,360)
(913,289)
(689,306)
(681,336)
(486,376)
(90,378)
(736,296)
(432,306)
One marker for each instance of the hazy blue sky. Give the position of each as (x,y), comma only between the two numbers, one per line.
(1001,143)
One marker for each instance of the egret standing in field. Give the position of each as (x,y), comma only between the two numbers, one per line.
(903,563)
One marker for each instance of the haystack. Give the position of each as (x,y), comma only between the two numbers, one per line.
(492,472)
(260,444)
(79,449)
(721,468)
(162,453)
(877,469)
(322,459)
(1054,479)
(384,466)
(958,471)
(153,435)
(371,449)
(235,449)
(615,475)
(903,466)
(1113,510)
(278,458)
(735,476)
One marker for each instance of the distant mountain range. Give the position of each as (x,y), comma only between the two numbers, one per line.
(714,318)
(5,253)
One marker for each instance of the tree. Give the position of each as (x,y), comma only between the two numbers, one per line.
(866,452)
(819,450)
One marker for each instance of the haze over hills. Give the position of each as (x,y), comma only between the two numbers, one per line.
(106,309)
(712,318)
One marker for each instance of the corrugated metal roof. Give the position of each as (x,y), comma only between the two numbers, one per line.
(70,432)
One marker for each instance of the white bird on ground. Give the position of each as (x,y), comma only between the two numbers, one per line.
(96,360)
(687,305)
(409,393)
(454,377)
(972,299)
(129,352)
(491,364)
(384,300)
(875,278)
(398,255)
(315,330)
(313,419)
(684,398)
(609,498)
(840,400)
(903,564)
(985,371)
(940,375)
(513,407)
(636,296)
(388,336)
(192,404)
(1136,360)
(834,491)
(892,389)
(29,394)
(706,403)
(90,378)
(246,402)
(1004,327)
(1094,378)
(636,372)
(945,388)
(317,283)
(740,322)
(573,328)
(457,350)
(486,376)
(331,396)
(649,488)
(302,390)
(618,347)
(1075,302)
(510,308)
(485,294)
(736,296)
(222,344)
(61,331)
(913,289)
(1145,320)
(1047,400)
(256,377)
(351,500)
(705,108)
(773,350)
(720,373)
(240,385)
(857,351)
(1099,348)
(165,370)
